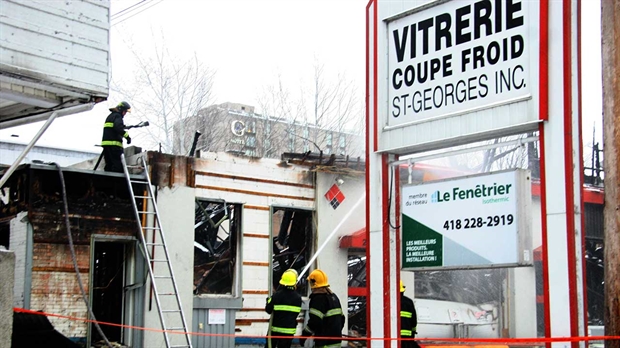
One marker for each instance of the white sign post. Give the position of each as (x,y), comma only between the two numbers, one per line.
(446,73)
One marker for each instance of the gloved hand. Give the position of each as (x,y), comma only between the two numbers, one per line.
(128,140)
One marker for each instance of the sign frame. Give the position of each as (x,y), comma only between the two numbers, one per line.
(487,119)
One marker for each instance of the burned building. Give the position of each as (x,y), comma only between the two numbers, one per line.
(232,223)
(102,238)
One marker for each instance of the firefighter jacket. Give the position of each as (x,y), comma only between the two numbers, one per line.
(114,130)
(285,305)
(326,318)
(408,317)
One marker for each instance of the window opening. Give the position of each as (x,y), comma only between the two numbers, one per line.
(329,141)
(291,141)
(292,237)
(251,127)
(356,266)
(216,234)
(250,141)
(595,266)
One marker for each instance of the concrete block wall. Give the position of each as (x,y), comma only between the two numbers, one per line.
(7,266)
(352,214)
(176,207)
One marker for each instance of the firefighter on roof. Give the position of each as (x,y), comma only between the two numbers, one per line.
(408,320)
(113,134)
(284,307)
(326,317)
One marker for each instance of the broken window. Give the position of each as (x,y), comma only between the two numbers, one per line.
(216,240)
(292,236)
(357,289)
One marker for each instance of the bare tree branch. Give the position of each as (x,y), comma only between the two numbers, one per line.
(166,90)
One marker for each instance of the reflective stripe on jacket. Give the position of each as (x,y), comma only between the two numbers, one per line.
(114,130)
(408,316)
(285,305)
(326,318)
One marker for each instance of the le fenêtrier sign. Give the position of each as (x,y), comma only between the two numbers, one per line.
(473,222)
(457,55)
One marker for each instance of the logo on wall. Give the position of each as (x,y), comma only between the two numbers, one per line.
(334,196)
(237,127)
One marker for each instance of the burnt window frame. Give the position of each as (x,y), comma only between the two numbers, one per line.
(310,240)
(236,291)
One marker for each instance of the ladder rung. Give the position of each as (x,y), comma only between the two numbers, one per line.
(145,212)
(168,294)
(134,166)
(149,197)
(151,228)
(176,328)
(162,277)
(159,260)
(170,311)
(154,244)
(138,182)
(179,346)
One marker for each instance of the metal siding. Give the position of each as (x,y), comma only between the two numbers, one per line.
(61,42)
(201,315)
(594,220)
(9,152)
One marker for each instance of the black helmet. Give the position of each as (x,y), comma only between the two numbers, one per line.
(122,106)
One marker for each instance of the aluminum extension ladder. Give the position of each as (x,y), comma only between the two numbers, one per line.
(163,284)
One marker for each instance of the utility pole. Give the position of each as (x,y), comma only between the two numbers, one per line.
(610,12)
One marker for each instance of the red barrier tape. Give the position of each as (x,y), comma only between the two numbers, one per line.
(512,341)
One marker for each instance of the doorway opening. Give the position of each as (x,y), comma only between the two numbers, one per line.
(108,282)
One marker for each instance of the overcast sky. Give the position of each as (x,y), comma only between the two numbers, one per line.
(250,42)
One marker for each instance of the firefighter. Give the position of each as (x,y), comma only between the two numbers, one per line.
(284,307)
(326,317)
(113,134)
(408,320)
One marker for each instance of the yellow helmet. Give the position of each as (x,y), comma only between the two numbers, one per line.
(289,277)
(317,279)
(402,287)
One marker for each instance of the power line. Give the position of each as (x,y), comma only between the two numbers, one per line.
(117,14)
(143,7)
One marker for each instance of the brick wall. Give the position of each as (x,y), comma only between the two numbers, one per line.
(55,287)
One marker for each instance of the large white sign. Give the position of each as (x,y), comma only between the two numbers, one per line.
(454,72)
(477,221)
(457,55)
